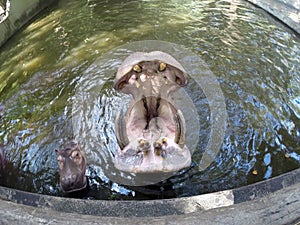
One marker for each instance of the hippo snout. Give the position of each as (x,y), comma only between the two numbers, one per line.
(73,182)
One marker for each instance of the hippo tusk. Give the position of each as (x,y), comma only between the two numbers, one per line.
(180,129)
(121,132)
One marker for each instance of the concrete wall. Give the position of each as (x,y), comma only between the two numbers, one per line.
(19,13)
(274,201)
(288,11)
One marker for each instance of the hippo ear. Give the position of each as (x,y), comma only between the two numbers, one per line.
(58,152)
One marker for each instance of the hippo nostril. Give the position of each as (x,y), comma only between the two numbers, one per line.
(137,68)
(64,180)
(162,67)
(69,181)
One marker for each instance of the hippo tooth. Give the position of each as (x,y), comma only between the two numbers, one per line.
(121,132)
(180,129)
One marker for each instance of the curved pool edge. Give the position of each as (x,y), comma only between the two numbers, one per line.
(20,13)
(281,207)
(275,201)
(286,11)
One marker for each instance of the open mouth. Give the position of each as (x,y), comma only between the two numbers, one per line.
(151,135)
(153,140)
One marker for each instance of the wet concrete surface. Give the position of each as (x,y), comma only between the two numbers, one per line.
(274,201)
(282,207)
(286,11)
(15,14)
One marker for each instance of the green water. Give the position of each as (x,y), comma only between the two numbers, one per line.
(255,58)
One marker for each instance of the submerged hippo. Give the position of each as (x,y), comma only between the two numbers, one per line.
(72,166)
(151,135)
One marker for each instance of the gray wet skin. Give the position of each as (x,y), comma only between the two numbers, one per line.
(151,135)
(72,166)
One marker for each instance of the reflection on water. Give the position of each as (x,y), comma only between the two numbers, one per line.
(256,60)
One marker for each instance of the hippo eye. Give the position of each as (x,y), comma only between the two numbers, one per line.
(75,154)
(137,68)
(162,67)
(60,161)
(76,157)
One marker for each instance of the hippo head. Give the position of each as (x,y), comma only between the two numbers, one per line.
(151,135)
(72,166)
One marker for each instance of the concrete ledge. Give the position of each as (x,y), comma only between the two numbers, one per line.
(275,201)
(19,14)
(282,207)
(288,11)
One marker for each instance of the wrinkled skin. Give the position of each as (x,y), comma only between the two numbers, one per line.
(72,166)
(151,135)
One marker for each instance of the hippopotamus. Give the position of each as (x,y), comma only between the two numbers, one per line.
(72,166)
(151,135)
